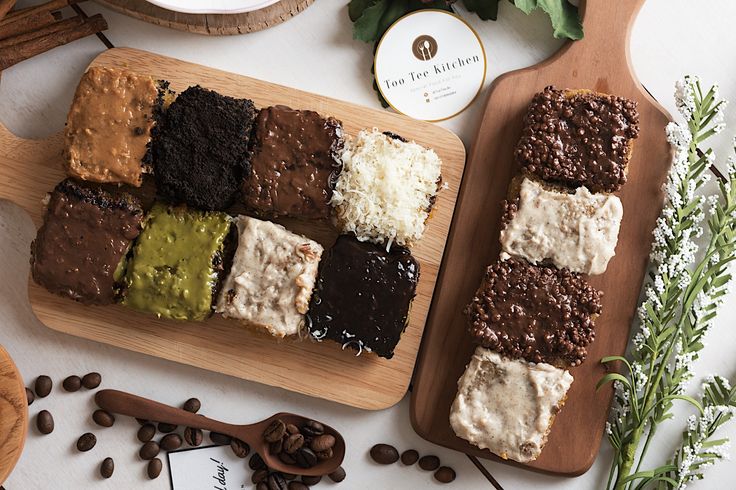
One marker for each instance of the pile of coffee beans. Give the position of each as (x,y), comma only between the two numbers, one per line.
(386,454)
(266,478)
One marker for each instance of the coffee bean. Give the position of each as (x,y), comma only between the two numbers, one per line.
(289,476)
(429,462)
(103,418)
(384,454)
(259,475)
(170,442)
(72,383)
(30,396)
(306,458)
(322,443)
(154,468)
(311,480)
(142,421)
(165,428)
(86,442)
(287,458)
(239,448)
(444,475)
(220,439)
(325,455)
(91,380)
(409,457)
(297,485)
(192,405)
(338,475)
(276,481)
(45,422)
(193,436)
(293,443)
(107,467)
(275,431)
(313,428)
(262,486)
(276,447)
(292,429)
(149,450)
(256,462)
(146,432)
(43,386)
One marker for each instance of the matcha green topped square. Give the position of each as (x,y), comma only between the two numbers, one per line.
(175,264)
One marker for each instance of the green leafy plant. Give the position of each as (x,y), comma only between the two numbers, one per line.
(685,288)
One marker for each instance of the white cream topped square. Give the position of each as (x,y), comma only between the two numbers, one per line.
(578,231)
(508,406)
(272,277)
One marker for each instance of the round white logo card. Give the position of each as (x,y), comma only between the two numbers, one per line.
(430,65)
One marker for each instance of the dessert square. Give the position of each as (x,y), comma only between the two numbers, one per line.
(508,406)
(575,230)
(363,296)
(578,137)
(535,312)
(271,279)
(200,149)
(386,189)
(79,251)
(294,163)
(178,262)
(108,129)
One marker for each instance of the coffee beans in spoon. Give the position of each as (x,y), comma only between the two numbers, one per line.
(299,446)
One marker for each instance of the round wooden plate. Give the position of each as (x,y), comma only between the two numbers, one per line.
(13,414)
(210,24)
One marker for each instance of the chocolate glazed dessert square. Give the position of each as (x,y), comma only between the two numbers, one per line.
(578,137)
(363,295)
(79,251)
(294,163)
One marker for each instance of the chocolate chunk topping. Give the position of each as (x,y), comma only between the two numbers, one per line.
(294,163)
(79,250)
(578,139)
(363,295)
(539,313)
(200,148)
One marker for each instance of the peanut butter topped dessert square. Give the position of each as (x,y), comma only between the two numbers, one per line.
(578,137)
(79,251)
(272,276)
(294,163)
(575,230)
(508,406)
(108,129)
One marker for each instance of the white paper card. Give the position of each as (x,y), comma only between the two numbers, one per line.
(208,468)
(430,65)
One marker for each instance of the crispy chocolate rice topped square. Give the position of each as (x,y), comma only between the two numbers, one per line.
(363,295)
(536,312)
(578,138)
(200,149)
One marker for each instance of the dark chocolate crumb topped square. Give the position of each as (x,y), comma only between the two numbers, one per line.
(363,295)
(536,312)
(200,149)
(79,251)
(294,163)
(578,138)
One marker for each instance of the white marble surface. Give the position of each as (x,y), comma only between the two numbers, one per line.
(315,52)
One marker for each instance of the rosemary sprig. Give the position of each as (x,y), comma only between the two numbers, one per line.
(685,288)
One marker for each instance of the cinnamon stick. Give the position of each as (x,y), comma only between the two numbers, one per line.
(16,53)
(26,24)
(5,6)
(50,6)
(56,27)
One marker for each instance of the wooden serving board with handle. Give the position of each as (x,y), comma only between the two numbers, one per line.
(31,168)
(13,414)
(599,62)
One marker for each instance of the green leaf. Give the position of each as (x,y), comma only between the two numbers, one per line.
(367,27)
(486,9)
(565,18)
(526,6)
(612,377)
(357,7)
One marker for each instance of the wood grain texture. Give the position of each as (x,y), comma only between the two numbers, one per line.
(32,168)
(599,62)
(13,414)
(210,24)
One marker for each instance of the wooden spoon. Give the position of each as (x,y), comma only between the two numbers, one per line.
(115,401)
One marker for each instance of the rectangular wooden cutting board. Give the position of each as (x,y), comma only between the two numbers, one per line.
(599,62)
(31,168)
